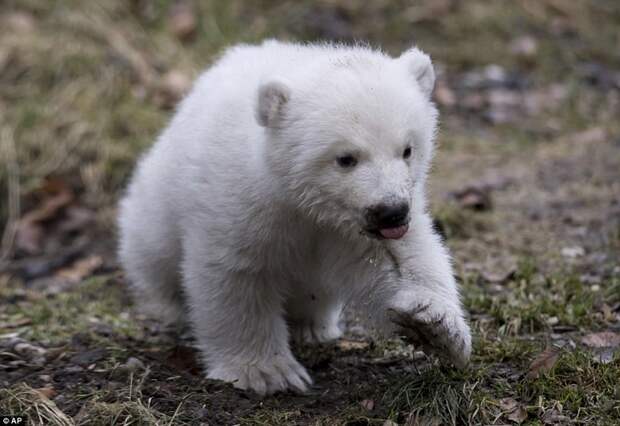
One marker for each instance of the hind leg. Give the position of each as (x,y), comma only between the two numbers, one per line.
(314,318)
(156,291)
(150,257)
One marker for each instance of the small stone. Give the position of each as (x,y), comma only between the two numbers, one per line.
(29,351)
(573,252)
(524,46)
(368,404)
(133,364)
(74,369)
(87,358)
(418,355)
(494,73)
(603,356)
(590,279)
(553,321)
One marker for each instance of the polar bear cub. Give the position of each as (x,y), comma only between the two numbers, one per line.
(289,184)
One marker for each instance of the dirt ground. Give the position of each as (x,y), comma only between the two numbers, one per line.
(525,189)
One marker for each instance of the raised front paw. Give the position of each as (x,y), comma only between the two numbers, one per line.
(436,329)
(279,373)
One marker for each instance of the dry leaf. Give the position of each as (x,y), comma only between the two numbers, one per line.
(350,345)
(473,101)
(19,22)
(415,419)
(499,277)
(172,87)
(80,269)
(428,11)
(508,404)
(543,363)
(604,339)
(182,21)
(593,135)
(513,410)
(30,231)
(16,323)
(518,415)
(77,218)
(474,198)
(444,95)
(48,391)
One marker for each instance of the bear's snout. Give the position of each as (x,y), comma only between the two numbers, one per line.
(388,220)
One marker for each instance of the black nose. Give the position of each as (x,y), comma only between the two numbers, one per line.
(388,216)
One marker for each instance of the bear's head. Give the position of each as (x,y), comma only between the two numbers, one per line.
(351,139)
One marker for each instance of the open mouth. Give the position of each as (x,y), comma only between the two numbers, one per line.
(392,233)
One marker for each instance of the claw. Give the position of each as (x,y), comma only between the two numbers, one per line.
(433,333)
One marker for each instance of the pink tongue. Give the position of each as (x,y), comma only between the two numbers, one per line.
(394,233)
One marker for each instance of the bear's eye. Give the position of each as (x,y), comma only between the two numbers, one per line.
(346,161)
(407,152)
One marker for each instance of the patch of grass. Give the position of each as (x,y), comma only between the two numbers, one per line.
(587,390)
(500,349)
(138,413)
(531,302)
(453,221)
(55,318)
(446,396)
(25,401)
(272,417)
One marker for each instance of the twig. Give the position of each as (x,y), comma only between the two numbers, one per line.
(7,149)
(92,25)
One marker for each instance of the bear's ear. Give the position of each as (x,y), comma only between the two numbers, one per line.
(419,65)
(272,97)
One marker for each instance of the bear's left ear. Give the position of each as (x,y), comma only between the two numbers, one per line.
(272,97)
(419,65)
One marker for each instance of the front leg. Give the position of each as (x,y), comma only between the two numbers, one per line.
(239,325)
(425,304)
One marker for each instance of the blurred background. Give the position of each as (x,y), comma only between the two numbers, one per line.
(525,189)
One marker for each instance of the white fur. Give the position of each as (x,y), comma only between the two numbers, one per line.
(241,213)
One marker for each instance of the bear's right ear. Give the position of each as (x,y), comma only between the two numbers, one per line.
(272,97)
